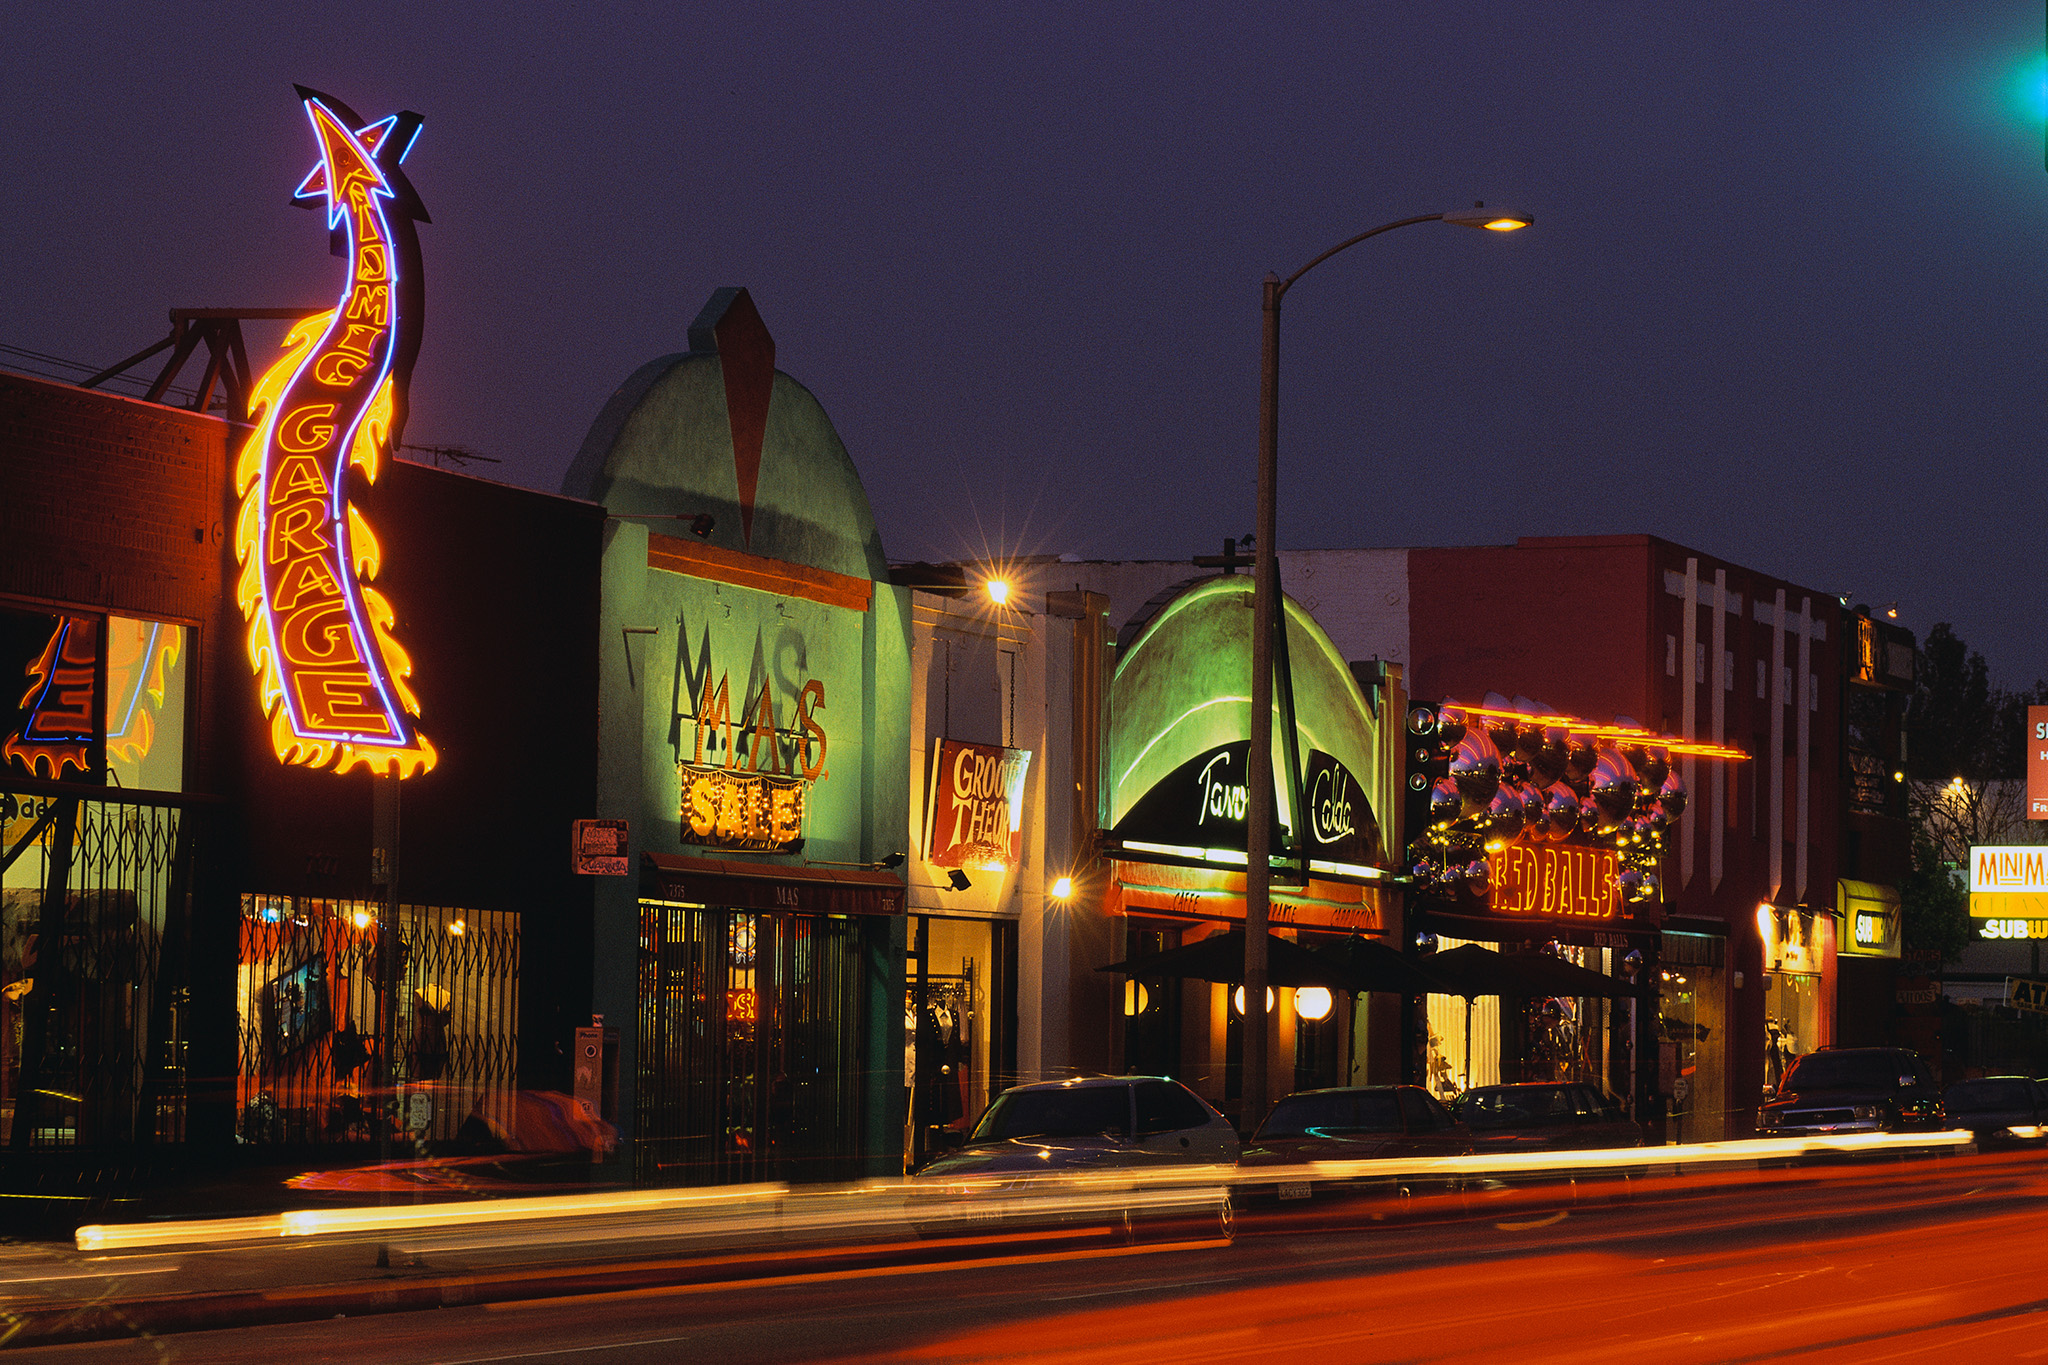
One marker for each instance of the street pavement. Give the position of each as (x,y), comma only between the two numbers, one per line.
(1929,1258)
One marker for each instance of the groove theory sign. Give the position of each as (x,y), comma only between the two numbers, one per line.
(331,676)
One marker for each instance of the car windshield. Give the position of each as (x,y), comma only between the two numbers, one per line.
(1083,1111)
(1520,1106)
(1847,1071)
(1337,1111)
(1966,1095)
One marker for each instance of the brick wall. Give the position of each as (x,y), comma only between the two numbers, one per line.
(110,502)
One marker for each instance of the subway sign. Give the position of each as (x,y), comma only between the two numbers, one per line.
(2009,891)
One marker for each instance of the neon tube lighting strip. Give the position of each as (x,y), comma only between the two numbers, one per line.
(331,676)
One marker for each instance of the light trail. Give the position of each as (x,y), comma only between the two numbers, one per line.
(777,1212)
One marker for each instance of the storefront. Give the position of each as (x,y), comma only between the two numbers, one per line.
(1799,984)
(754,665)
(1540,833)
(1175,828)
(98,701)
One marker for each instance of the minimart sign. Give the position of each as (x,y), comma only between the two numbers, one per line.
(2009,890)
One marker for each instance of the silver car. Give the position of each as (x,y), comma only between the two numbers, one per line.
(1074,1151)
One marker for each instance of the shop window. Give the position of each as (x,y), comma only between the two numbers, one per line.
(1451,1065)
(78,691)
(949,1031)
(78,1026)
(1793,1024)
(1151,1011)
(314,1016)
(1692,1013)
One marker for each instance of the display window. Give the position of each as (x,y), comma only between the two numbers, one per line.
(1463,1047)
(314,1019)
(81,692)
(1692,999)
(751,1046)
(952,1005)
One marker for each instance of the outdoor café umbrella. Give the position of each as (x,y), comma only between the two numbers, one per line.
(1221,958)
(1374,966)
(1474,970)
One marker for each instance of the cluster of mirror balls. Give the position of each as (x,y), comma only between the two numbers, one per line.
(1514,780)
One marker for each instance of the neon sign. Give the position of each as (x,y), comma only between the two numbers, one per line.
(331,677)
(57,725)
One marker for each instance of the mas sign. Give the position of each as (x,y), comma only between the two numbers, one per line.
(331,676)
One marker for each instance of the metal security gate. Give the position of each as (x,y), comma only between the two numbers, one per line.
(95,933)
(751,1030)
(308,1000)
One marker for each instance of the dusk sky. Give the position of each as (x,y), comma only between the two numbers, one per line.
(1784,301)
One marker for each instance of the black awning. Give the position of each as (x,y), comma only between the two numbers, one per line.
(1474,970)
(770,886)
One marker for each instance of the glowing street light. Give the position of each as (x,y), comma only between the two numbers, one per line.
(1265,615)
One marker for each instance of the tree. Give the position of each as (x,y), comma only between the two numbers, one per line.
(1965,783)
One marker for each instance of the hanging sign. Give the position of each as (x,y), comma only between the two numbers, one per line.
(332,678)
(974,817)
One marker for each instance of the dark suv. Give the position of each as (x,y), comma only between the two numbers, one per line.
(1854,1090)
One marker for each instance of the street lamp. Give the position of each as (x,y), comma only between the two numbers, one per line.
(1258,878)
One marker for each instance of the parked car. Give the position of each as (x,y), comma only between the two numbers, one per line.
(1352,1123)
(1545,1117)
(1854,1090)
(1999,1111)
(1053,1152)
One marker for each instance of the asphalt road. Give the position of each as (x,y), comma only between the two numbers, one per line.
(1899,1261)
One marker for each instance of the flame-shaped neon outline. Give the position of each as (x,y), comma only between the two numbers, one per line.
(356,548)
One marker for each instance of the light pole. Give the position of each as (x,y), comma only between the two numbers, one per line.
(1258,841)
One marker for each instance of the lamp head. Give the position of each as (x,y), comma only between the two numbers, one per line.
(893,860)
(1495,220)
(958,880)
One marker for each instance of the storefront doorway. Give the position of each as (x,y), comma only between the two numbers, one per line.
(751,1041)
(956,1027)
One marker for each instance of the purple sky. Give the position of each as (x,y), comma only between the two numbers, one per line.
(1784,300)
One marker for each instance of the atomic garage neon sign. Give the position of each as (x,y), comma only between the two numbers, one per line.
(332,678)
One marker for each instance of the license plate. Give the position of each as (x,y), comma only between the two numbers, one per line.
(1294,1189)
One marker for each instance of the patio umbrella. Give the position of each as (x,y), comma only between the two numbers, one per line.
(1474,970)
(1221,958)
(1377,967)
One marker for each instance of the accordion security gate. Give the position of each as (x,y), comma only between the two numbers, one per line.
(750,1044)
(95,927)
(308,1001)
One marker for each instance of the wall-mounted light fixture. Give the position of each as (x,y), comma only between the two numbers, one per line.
(1062,888)
(958,880)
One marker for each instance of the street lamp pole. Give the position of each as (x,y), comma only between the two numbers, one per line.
(1259,811)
